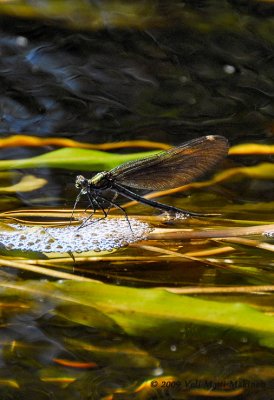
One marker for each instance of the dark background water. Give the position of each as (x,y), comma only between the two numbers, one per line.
(207,69)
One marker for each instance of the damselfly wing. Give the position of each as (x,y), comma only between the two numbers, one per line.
(172,168)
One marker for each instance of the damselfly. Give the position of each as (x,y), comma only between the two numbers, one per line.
(166,170)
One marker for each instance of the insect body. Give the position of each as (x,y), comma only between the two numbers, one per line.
(165,170)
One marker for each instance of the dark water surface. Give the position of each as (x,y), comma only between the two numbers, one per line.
(103,72)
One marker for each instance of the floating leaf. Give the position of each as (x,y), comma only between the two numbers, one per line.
(252,148)
(75,159)
(26,184)
(260,171)
(144,311)
(140,310)
(33,141)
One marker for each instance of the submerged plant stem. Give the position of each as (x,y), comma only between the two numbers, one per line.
(44,271)
(213,233)
(222,289)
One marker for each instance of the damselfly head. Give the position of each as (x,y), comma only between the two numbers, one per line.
(81,183)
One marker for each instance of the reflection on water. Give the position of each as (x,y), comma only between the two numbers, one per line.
(166,72)
(208,69)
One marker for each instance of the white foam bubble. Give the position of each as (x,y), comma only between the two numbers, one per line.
(102,235)
(269,234)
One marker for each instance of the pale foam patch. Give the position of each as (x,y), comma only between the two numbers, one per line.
(103,235)
(269,234)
